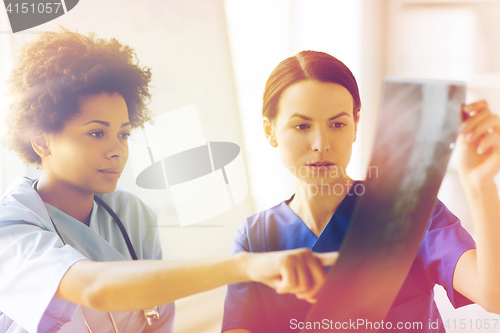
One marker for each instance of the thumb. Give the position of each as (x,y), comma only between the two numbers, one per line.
(327,258)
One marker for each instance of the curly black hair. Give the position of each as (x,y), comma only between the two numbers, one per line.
(52,74)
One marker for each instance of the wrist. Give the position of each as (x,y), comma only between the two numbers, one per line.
(479,184)
(480,189)
(241,266)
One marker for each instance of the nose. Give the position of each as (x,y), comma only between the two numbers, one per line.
(320,141)
(118,149)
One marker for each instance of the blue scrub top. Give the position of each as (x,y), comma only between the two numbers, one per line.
(260,309)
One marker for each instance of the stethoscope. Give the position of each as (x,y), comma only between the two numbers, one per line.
(149,314)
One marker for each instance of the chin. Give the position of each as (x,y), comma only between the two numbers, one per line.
(109,189)
(104,188)
(324,181)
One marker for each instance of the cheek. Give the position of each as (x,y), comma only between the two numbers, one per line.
(345,149)
(292,146)
(293,140)
(62,151)
(75,153)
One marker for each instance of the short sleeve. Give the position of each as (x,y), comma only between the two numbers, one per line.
(445,242)
(243,306)
(33,262)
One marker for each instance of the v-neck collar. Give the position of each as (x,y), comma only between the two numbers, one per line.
(93,221)
(85,240)
(295,233)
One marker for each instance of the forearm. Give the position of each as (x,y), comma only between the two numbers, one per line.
(485,208)
(136,285)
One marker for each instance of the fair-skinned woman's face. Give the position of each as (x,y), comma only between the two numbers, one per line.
(314,131)
(91,150)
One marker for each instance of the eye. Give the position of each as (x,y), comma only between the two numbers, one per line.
(338,125)
(125,135)
(301,126)
(97,134)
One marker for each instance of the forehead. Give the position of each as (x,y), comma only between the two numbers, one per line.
(103,106)
(315,99)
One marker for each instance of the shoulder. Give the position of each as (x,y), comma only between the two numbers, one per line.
(442,217)
(21,202)
(446,239)
(19,193)
(255,221)
(445,233)
(252,233)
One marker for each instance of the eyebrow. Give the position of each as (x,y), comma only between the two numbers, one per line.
(105,123)
(338,115)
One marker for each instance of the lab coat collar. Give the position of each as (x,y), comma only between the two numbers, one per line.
(22,202)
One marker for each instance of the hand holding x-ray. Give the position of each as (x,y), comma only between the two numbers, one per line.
(479,143)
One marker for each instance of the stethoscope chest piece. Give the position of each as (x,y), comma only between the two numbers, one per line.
(151,314)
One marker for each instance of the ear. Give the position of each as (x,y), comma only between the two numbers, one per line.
(356,122)
(269,132)
(40,145)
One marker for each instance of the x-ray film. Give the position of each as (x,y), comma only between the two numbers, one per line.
(417,128)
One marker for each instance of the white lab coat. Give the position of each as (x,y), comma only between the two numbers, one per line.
(33,261)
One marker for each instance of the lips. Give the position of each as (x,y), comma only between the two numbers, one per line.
(111,173)
(320,164)
(119,170)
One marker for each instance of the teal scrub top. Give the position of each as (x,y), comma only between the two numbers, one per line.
(33,260)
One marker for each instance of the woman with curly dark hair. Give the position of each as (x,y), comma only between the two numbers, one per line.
(66,239)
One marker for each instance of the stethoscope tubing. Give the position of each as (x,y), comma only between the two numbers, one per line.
(115,217)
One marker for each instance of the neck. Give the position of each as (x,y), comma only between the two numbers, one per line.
(66,197)
(315,204)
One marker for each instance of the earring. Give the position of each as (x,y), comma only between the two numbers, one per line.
(273,142)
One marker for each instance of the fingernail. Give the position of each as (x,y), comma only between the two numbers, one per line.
(468,137)
(480,150)
(472,113)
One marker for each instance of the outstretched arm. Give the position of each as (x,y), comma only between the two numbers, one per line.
(477,273)
(136,285)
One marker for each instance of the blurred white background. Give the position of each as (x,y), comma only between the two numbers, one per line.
(218,54)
